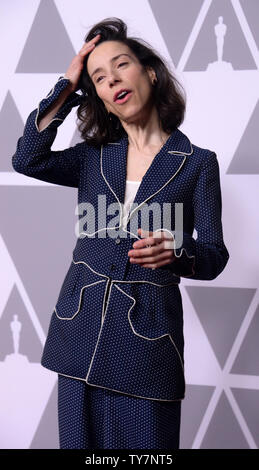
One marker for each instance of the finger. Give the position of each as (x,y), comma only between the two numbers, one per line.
(147,234)
(150,250)
(89,44)
(152,238)
(156,265)
(153,259)
(147,239)
(168,238)
(95,38)
(163,234)
(85,49)
(165,237)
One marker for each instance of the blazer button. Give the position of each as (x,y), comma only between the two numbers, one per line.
(113,267)
(117,241)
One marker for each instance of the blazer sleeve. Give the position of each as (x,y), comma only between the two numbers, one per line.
(33,156)
(205,257)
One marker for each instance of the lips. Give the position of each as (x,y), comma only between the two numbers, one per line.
(125,99)
(118,92)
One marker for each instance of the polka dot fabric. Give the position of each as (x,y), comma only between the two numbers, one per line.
(33,156)
(96,418)
(117,327)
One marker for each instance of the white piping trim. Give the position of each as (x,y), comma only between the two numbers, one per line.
(178,152)
(99,335)
(55,119)
(182,249)
(182,153)
(121,225)
(70,376)
(107,282)
(133,395)
(156,192)
(72,318)
(127,282)
(129,216)
(84,262)
(119,391)
(88,285)
(104,309)
(148,282)
(192,256)
(146,337)
(113,281)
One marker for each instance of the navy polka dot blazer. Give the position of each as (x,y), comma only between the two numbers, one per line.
(119,325)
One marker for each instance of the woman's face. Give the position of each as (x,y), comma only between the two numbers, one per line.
(124,72)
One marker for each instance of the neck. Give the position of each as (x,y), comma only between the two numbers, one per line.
(146,134)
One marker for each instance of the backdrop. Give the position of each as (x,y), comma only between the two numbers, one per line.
(212,47)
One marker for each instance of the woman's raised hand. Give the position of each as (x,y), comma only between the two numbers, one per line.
(75,68)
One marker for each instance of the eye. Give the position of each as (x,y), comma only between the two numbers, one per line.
(122,63)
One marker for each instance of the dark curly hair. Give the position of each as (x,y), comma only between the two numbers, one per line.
(99,127)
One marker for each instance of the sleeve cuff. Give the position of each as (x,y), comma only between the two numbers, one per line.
(73,99)
(184,263)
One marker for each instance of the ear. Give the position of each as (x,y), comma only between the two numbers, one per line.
(151,72)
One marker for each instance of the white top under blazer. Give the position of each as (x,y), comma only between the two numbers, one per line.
(130,192)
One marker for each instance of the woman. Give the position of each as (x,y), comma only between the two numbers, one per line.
(116,334)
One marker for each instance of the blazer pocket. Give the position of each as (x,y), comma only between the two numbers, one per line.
(78,278)
(157,310)
(157,314)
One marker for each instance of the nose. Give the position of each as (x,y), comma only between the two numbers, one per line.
(113,78)
(112,81)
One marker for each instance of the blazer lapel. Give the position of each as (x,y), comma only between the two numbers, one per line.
(164,167)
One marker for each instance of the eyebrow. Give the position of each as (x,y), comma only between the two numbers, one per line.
(112,60)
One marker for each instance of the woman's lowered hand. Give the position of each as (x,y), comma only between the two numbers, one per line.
(153,251)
